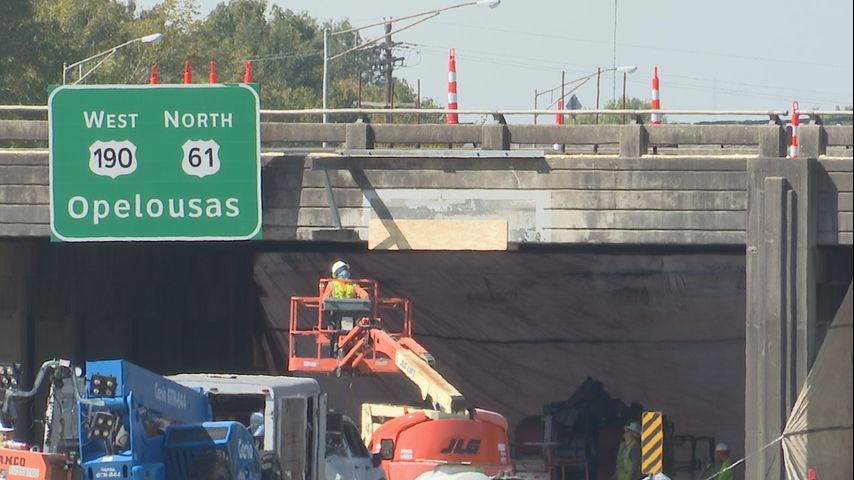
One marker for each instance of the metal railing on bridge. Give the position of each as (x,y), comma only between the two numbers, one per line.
(764,135)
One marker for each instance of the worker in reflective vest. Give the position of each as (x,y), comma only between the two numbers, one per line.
(628,456)
(723,462)
(6,431)
(342,286)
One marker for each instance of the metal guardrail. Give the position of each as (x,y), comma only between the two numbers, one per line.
(499,115)
(483,111)
(475,111)
(493,111)
(281,129)
(23,108)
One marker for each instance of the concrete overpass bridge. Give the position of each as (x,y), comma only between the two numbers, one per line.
(499,186)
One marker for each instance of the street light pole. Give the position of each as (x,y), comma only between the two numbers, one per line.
(325,69)
(154,37)
(389,65)
(598,78)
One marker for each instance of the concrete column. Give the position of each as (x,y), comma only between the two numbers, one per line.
(781,310)
(634,141)
(496,137)
(359,136)
(812,140)
(773,141)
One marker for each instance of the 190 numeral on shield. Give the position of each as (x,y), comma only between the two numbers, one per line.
(113,158)
(109,157)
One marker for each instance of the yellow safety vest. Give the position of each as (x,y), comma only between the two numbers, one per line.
(724,475)
(343,289)
(626,468)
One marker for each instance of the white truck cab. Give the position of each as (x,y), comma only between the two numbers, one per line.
(346,454)
(294,437)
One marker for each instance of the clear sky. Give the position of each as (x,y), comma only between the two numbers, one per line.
(726,54)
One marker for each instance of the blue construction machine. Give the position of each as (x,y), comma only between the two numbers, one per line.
(143,426)
(121,421)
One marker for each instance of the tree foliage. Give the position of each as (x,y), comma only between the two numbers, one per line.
(611,119)
(286,50)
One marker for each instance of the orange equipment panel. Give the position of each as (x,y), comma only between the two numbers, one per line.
(27,465)
(422,443)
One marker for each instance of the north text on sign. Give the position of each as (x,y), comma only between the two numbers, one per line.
(176,119)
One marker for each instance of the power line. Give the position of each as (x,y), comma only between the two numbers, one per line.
(788,92)
(284,56)
(651,47)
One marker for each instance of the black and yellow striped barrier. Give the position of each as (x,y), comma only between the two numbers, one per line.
(652,443)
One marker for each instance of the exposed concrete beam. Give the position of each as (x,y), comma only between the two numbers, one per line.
(23,130)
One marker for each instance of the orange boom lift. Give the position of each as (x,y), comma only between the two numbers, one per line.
(374,336)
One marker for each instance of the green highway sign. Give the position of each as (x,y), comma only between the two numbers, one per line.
(158,162)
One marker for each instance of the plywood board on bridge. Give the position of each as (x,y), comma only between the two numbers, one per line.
(483,235)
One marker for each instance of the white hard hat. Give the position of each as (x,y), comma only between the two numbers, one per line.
(6,426)
(657,476)
(256,424)
(721,447)
(633,427)
(339,265)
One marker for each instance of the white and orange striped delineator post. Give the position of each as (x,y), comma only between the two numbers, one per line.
(452,118)
(558,147)
(655,104)
(796,121)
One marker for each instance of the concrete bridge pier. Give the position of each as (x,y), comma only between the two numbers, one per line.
(781,301)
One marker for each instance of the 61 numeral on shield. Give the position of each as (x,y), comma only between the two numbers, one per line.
(201,158)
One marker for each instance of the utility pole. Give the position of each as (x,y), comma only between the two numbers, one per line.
(598,77)
(325,70)
(563,84)
(389,65)
(624,97)
(614,65)
(562,90)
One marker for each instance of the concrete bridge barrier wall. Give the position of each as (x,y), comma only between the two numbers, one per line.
(576,199)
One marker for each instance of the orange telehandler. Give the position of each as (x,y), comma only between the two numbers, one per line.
(335,335)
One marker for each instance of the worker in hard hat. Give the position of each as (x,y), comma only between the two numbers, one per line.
(341,286)
(256,428)
(657,476)
(628,456)
(6,431)
(722,462)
